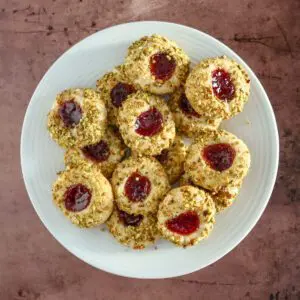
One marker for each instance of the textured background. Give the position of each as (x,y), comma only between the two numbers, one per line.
(266,265)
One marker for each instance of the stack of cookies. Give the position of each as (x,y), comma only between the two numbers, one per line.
(127,160)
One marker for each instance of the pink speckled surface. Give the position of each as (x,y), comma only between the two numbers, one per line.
(266,265)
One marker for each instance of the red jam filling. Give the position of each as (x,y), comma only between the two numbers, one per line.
(186,107)
(70,112)
(222,85)
(77,197)
(162,66)
(137,187)
(219,157)
(97,152)
(130,220)
(149,122)
(163,156)
(185,223)
(120,92)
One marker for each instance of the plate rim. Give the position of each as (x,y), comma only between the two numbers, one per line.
(272,173)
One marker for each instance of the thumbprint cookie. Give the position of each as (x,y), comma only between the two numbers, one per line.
(156,65)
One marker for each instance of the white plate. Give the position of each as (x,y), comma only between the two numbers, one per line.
(41,158)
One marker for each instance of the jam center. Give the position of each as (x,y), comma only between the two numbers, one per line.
(97,152)
(219,157)
(120,92)
(162,66)
(130,220)
(163,156)
(185,223)
(70,113)
(222,85)
(186,107)
(137,187)
(149,122)
(77,197)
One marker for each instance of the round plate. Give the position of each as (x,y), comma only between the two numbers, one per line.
(41,158)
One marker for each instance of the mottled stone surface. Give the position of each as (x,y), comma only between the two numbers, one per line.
(266,265)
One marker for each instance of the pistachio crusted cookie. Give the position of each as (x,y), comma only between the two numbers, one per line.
(114,88)
(218,87)
(157,65)
(217,159)
(186,215)
(172,159)
(146,124)
(84,195)
(135,231)
(78,118)
(225,196)
(222,198)
(105,154)
(187,120)
(139,184)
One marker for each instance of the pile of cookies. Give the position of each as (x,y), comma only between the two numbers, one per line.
(125,150)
